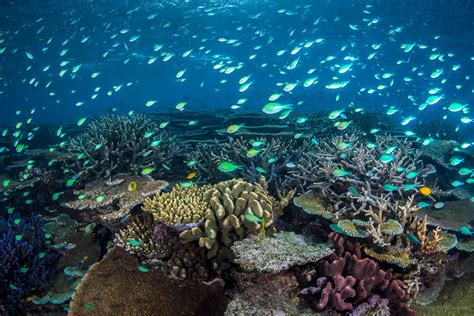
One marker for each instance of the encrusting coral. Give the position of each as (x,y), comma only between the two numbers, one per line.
(119,144)
(277,253)
(115,198)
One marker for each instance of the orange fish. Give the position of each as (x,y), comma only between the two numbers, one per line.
(425,191)
(191,175)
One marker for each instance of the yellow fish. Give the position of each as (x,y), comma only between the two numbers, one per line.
(234,128)
(191,175)
(132,186)
(253,152)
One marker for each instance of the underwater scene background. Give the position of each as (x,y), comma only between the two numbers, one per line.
(236,157)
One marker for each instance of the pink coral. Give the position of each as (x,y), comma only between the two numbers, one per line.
(346,280)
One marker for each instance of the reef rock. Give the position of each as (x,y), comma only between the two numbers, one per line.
(115,286)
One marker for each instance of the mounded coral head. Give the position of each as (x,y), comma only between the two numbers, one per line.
(226,222)
(119,144)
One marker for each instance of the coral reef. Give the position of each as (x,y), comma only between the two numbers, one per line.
(26,261)
(270,157)
(109,200)
(116,285)
(119,144)
(345,279)
(202,240)
(277,253)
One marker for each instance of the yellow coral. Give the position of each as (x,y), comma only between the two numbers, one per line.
(428,242)
(180,206)
(400,258)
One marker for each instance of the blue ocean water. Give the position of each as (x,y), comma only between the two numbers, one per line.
(225,42)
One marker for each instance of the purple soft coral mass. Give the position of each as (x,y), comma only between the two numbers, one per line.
(346,280)
(25,260)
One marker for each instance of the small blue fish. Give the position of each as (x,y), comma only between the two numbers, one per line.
(413,238)
(466,231)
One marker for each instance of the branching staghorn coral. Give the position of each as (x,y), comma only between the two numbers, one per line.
(119,144)
(271,157)
(354,175)
(367,191)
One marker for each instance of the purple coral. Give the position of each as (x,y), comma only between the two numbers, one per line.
(346,280)
(160,234)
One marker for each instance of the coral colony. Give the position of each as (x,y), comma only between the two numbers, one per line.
(353,223)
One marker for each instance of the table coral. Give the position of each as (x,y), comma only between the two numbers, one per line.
(112,199)
(115,286)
